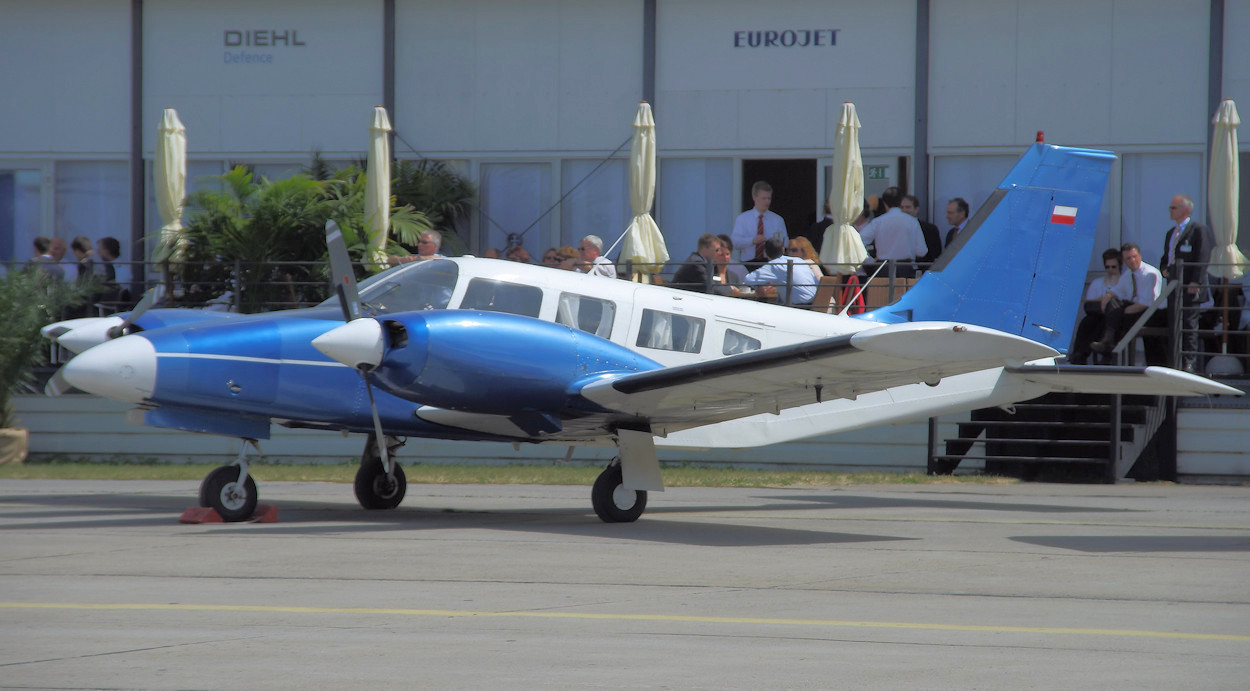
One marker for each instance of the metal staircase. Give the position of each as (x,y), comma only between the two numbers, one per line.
(1063,437)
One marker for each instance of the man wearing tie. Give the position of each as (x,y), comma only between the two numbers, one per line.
(755,225)
(1188,244)
(1139,286)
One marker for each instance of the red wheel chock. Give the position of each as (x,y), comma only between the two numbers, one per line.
(265,513)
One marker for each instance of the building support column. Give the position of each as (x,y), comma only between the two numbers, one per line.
(388,67)
(648,52)
(138,192)
(920,152)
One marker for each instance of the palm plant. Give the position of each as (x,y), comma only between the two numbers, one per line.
(28,301)
(261,238)
(433,188)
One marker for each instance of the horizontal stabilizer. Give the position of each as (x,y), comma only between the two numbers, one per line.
(1148,381)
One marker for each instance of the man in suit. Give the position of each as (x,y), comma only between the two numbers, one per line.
(1186,251)
(957,217)
(815,233)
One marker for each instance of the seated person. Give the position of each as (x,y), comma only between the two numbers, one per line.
(566,258)
(796,284)
(735,269)
(698,272)
(1139,286)
(1091,326)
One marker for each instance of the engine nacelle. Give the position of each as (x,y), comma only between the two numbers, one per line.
(491,362)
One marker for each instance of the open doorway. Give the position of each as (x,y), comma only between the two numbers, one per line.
(794,188)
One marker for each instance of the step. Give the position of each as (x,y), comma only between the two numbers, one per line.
(1020,459)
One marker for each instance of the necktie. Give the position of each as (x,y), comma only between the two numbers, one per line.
(1176,236)
(1133,276)
(759,233)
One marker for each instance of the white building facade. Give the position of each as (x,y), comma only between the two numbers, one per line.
(533,101)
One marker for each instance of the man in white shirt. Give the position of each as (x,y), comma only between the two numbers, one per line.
(896,235)
(593,261)
(1139,286)
(796,284)
(755,225)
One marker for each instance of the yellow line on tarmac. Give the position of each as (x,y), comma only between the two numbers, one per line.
(451,613)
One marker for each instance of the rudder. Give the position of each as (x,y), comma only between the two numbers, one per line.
(1019,265)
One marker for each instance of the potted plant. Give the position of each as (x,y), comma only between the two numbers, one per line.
(29,299)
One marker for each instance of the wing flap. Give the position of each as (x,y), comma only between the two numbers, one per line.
(844,366)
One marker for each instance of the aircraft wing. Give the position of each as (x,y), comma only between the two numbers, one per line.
(843,366)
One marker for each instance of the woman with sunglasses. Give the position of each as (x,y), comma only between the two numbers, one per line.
(802,248)
(1091,326)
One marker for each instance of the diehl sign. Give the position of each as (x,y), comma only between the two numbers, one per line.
(261,38)
(786,38)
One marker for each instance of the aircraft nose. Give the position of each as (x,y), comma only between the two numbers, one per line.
(357,343)
(123,369)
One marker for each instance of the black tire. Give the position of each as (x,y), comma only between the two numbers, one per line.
(374,490)
(222,492)
(613,503)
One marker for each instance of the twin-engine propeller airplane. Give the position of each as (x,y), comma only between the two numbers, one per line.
(481,349)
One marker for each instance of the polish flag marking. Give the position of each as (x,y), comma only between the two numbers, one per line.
(1063,214)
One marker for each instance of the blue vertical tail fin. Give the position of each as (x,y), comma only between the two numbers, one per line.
(1019,265)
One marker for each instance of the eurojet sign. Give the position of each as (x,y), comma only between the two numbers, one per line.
(234,39)
(786,38)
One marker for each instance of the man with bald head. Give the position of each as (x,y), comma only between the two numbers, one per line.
(1186,252)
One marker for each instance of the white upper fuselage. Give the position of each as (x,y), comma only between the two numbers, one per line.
(770,324)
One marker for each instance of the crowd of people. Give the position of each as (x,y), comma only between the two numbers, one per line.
(91,268)
(1130,289)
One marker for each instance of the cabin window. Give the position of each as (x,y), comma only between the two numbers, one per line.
(739,343)
(497,296)
(586,313)
(667,331)
(423,286)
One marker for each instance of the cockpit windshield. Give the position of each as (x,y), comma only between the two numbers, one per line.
(425,285)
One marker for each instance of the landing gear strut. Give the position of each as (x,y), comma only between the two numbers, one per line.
(229,490)
(375,487)
(613,503)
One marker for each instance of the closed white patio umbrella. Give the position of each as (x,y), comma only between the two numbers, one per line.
(842,249)
(1223,181)
(378,188)
(170,175)
(644,244)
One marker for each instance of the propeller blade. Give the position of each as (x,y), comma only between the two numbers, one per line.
(380,440)
(145,303)
(342,276)
(56,384)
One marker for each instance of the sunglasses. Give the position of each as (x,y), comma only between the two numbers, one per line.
(1112,266)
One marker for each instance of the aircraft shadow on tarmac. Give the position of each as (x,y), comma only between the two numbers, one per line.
(301,517)
(851,501)
(1106,544)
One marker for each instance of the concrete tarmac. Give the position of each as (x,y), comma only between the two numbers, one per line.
(891,586)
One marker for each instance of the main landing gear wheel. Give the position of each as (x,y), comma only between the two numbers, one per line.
(613,503)
(222,492)
(374,490)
